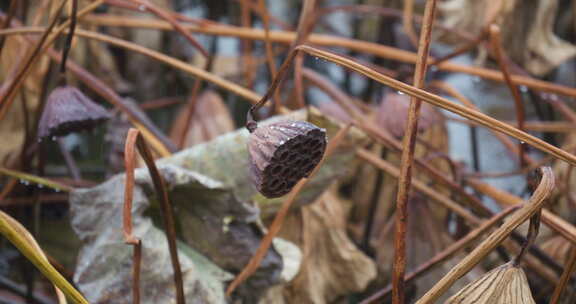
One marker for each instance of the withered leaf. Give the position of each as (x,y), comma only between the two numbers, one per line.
(211,119)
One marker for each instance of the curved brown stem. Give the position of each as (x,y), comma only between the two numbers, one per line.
(519,105)
(133,140)
(533,229)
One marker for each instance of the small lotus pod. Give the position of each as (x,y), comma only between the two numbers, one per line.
(282,153)
(68,110)
(506,284)
(334,110)
(393,113)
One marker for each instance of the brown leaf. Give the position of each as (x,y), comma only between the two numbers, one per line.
(332,265)
(211,118)
(12,127)
(527,30)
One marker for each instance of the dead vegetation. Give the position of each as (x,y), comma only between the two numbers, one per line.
(393,151)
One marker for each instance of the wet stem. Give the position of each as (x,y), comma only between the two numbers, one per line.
(407,158)
(133,140)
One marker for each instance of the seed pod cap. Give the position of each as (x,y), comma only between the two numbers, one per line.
(282,153)
(68,110)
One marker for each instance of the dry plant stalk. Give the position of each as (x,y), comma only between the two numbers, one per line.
(385,139)
(133,140)
(418,185)
(407,158)
(556,223)
(502,60)
(268,49)
(566,274)
(129,238)
(533,206)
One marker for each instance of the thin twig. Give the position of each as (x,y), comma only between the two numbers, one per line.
(406,162)
(248,5)
(461,50)
(29,178)
(129,238)
(306,23)
(505,140)
(556,223)
(407,21)
(69,160)
(247,62)
(167,216)
(418,185)
(565,278)
(268,50)
(352,107)
(68,43)
(519,105)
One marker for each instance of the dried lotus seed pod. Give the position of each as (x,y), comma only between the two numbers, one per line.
(68,110)
(506,284)
(282,153)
